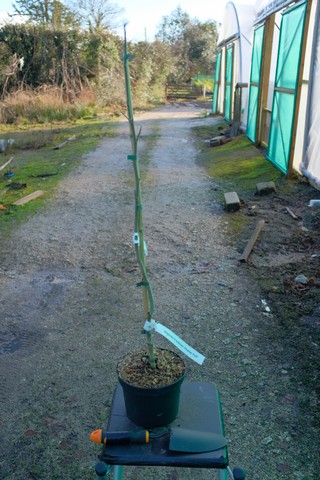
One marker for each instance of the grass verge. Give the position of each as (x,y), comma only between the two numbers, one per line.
(237,165)
(36,165)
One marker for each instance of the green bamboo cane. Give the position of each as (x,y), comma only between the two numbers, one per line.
(148,299)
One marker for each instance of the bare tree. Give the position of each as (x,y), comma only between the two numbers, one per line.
(98,15)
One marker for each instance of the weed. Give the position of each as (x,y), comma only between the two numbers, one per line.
(47,106)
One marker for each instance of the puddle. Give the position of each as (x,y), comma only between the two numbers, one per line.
(9,342)
(37,295)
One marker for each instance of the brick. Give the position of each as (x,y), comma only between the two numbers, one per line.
(232,201)
(264,188)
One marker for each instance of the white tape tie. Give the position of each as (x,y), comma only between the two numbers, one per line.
(175,340)
(150,325)
(135,238)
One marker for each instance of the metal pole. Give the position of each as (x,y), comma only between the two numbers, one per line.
(117,472)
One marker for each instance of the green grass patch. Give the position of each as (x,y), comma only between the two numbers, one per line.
(36,165)
(237,165)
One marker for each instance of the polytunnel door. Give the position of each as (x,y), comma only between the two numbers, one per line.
(254,87)
(216,86)
(228,83)
(285,90)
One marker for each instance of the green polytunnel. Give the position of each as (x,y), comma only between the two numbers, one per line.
(286,85)
(233,60)
(274,53)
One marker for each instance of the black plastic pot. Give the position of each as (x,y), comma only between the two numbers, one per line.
(152,407)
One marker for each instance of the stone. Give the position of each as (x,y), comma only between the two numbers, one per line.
(232,201)
(264,188)
(301,279)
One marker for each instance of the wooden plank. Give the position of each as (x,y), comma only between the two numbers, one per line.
(7,163)
(29,197)
(259,226)
(65,142)
(265,79)
(290,91)
(299,88)
(292,214)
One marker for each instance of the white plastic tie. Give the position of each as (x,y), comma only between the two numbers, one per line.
(175,340)
(150,325)
(135,238)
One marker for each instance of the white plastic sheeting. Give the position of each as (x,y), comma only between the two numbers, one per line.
(265,8)
(237,27)
(238,22)
(310,165)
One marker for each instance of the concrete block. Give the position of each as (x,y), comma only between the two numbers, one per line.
(232,201)
(264,188)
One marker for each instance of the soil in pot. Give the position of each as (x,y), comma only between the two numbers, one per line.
(151,395)
(136,370)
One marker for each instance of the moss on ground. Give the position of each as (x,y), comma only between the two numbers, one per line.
(237,165)
(36,165)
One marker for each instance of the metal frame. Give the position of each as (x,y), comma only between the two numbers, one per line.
(228,83)
(296,93)
(117,470)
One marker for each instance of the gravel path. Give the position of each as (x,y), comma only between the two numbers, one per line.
(69,309)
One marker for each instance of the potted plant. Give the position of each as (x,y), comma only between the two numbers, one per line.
(150,378)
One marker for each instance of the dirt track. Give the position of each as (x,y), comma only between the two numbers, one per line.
(69,309)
